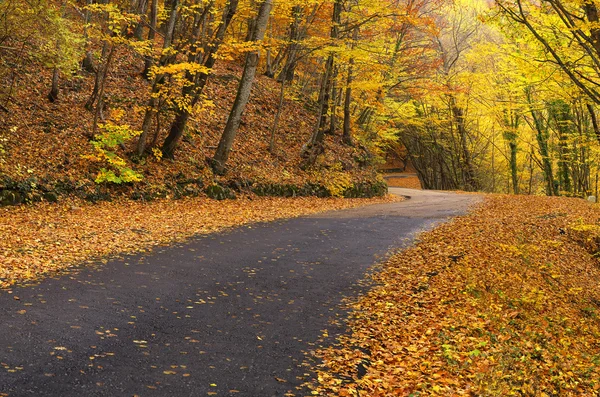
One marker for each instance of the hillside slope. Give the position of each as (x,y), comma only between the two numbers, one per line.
(43,144)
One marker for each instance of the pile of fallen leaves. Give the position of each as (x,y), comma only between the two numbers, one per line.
(408,181)
(505,301)
(47,238)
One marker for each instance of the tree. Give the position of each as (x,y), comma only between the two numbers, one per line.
(202,61)
(244,90)
(556,24)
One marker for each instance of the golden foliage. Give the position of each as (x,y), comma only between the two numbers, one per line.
(41,240)
(502,302)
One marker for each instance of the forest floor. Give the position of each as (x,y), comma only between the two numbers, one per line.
(43,239)
(46,146)
(503,301)
(403,179)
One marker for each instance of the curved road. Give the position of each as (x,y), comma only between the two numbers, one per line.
(222,314)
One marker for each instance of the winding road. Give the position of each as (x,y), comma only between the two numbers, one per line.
(223,314)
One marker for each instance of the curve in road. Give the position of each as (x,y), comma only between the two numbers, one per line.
(222,314)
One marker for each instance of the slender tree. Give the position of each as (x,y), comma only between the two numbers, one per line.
(244,89)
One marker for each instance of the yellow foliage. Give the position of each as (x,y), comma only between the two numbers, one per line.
(334,179)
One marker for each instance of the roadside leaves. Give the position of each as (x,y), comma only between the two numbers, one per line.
(505,301)
(44,239)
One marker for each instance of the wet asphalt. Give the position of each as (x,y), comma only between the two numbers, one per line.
(226,314)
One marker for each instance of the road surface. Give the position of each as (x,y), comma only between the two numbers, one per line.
(223,314)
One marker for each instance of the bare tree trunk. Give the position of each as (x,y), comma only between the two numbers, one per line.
(592,113)
(148,62)
(244,90)
(292,49)
(88,60)
(314,147)
(141,11)
(53,94)
(269,68)
(469,170)
(100,103)
(277,116)
(513,166)
(97,82)
(347,132)
(334,103)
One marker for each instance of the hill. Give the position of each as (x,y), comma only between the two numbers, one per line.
(47,153)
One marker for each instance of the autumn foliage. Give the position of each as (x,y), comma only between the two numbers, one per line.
(50,239)
(501,302)
(137,98)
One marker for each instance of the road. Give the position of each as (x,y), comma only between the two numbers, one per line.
(223,314)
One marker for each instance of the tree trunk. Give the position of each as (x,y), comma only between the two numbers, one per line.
(151,109)
(100,103)
(177,128)
(314,147)
(53,94)
(542,140)
(288,71)
(244,90)
(334,103)
(513,166)
(139,27)
(277,116)
(592,113)
(469,171)
(347,132)
(97,81)
(199,82)
(148,61)
(88,61)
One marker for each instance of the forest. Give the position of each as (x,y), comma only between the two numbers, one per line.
(149,98)
(171,173)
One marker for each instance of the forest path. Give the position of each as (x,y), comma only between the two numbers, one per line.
(221,314)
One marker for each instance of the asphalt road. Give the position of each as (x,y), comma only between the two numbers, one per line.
(222,314)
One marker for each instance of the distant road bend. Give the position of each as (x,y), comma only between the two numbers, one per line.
(227,314)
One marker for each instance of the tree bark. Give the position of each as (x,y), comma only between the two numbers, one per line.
(347,131)
(139,27)
(148,61)
(315,146)
(199,82)
(277,116)
(542,140)
(513,166)
(53,94)
(88,61)
(334,103)
(288,71)
(151,109)
(244,90)
(100,103)
(594,119)
(469,170)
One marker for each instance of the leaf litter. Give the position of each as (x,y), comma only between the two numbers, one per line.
(42,240)
(504,301)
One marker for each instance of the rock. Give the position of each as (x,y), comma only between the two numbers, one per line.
(217,192)
(592,199)
(10,197)
(51,197)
